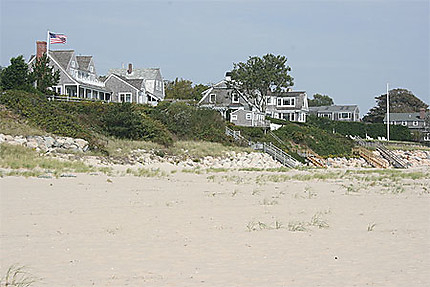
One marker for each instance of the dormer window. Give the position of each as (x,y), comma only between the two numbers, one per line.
(73,64)
(91,69)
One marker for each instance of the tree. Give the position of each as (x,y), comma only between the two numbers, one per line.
(401,101)
(44,75)
(320,100)
(184,90)
(15,76)
(258,76)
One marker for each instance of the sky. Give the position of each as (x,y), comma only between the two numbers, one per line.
(346,49)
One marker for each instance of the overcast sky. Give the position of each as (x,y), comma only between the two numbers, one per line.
(346,49)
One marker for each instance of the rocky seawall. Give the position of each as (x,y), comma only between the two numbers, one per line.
(230,160)
(47,143)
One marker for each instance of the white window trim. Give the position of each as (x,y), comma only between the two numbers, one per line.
(248,116)
(233,95)
(234,117)
(210,98)
(415,123)
(291,99)
(125,97)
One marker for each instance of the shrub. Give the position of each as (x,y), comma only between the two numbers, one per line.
(124,121)
(373,130)
(191,123)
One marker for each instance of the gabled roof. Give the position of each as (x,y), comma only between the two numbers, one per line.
(403,117)
(84,62)
(134,83)
(144,73)
(334,108)
(62,57)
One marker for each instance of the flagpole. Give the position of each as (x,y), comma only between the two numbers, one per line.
(47,42)
(388,115)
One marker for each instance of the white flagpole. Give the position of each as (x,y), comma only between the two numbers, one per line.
(48,40)
(388,115)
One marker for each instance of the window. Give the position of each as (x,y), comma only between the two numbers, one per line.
(324,115)
(344,115)
(57,90)
(289,117)
(286,102)
(234,117)
(234,98)
(404,123)
(91,69)
(415,123)
(73,64)
(125,97)
(248,116)
(212,98)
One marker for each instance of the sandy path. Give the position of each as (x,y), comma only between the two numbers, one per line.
(188,230)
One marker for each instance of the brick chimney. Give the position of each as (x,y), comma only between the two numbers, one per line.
(130,68)
(422,113)
(41,48)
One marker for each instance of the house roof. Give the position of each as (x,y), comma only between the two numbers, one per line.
(334,108)
(144,73)
(84,62)
(289,94)
(62,57)
(403,117)
(135,83)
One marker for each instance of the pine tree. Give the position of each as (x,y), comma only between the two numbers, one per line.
(44,75)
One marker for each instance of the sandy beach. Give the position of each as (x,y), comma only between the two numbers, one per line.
(218,229)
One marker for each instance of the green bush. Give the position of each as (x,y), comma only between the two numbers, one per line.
(191,123)
(373,130)
(126,122)
(46,115)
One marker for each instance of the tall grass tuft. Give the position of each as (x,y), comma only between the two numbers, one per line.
(16,276)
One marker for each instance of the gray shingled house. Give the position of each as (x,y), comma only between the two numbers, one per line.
(247,118)
(224,98)
(148,80)
(126,90)
(291,106)
(415,122)
(349,113)
(78,77)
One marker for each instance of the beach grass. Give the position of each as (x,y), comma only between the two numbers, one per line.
(17,276)
(23,159)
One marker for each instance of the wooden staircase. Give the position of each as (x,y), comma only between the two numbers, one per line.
(313,157)
(370,157)
(392,158)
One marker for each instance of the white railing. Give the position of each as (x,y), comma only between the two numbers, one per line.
(272,150)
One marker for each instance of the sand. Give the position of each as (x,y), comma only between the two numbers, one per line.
(217,229)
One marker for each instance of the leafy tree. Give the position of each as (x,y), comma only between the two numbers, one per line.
(320,100)
(258,76)
(184,90)
(15,76)
(44,75)
(401,101)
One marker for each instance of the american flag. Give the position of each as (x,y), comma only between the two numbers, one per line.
(55,38)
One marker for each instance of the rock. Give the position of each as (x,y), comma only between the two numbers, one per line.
(81,143)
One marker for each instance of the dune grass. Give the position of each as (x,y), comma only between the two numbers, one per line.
(27,162)
(17,276)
